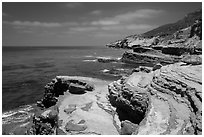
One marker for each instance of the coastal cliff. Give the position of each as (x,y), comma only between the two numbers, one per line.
(163,100)
(167,44)
(166,101)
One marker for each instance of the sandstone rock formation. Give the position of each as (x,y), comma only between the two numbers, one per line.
(166,44)
(148,58)
(167,100)
(45,123)
(75,114)
(58,86)
(127,127)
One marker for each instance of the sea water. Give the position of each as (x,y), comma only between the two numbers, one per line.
(26,70)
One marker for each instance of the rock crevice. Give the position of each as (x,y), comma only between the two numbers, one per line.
(171,100)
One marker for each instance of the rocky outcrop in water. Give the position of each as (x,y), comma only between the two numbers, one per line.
(170,99)
(107,59)
(58,86)
(165,47)
(146,58)
(45,123)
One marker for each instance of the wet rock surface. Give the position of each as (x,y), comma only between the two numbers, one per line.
(107,60)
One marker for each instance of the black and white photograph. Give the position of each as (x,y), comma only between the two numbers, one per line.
(101,67)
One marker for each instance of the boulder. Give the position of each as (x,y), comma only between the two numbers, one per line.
(192,59)
(89,87)
(128,102)
(76,89)
(157,66)
(145,69)
(171,50)
(60,132)
(142,69)
(70,126)
(128,128)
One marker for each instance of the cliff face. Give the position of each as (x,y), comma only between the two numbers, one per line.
(171,28)
(162,100)
(185,36)
(170,99)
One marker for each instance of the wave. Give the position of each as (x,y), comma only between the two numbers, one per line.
(90,79)
(104,57)
(87,60)
(88,56)
(108,57)
(105,70)
(19,115)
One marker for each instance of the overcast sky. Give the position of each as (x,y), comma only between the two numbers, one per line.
(89,24)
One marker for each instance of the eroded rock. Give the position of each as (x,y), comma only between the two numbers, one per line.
(45,123)
(131,102)
(128,128)
(71,108)
(75,127)
(58,86)
(107,59)
(157,66)
(174,104)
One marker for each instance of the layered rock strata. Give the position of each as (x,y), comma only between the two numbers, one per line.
(167,100)
(146,58)
(164,49)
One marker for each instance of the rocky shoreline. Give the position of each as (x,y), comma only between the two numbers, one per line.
(164,95)
(163,100)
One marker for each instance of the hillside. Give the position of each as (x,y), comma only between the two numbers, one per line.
(171,28)
(178,33)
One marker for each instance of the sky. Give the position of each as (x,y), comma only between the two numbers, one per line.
(84,24)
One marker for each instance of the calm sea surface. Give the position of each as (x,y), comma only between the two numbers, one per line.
(26,70)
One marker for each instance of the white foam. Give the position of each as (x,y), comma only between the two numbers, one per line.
(7,114)
(108,57)
(105,70)
(80,78)
(88,56)
(104,57)
(94,60)
(13,117)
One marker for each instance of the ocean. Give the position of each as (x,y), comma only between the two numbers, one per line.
(26,70)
